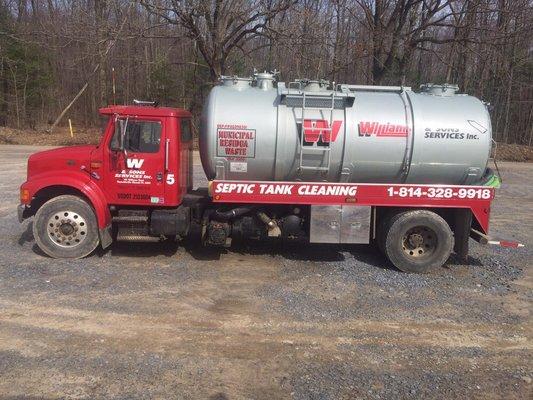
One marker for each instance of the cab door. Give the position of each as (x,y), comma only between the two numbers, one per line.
(135,162)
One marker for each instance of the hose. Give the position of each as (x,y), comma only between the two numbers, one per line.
(225,216)
(494,160)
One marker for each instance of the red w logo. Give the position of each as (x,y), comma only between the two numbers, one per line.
(316,128)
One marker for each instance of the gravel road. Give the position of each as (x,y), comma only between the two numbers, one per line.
(264,321)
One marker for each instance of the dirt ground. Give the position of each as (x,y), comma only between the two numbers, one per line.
(264,321)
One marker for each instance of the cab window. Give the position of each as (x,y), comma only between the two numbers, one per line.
(140,136)
(186,131)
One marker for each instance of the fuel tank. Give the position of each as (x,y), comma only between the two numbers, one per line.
(259,129)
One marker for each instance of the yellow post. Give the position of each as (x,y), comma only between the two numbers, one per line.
(70,126)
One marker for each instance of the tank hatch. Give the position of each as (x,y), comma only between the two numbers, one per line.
(446,89)
(235,81)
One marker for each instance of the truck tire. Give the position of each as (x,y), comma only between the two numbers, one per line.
(417,241)
(66,227)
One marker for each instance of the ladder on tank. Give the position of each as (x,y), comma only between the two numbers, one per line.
(324,132)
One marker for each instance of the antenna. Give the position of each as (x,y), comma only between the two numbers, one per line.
(114,86)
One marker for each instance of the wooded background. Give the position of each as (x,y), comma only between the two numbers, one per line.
(173,51)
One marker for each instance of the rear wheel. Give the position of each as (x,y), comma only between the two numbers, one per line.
(417,241)
(66,227)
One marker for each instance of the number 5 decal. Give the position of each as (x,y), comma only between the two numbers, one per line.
(170,179)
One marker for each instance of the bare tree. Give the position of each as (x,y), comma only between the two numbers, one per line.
(174,50)
(398,27)
(221,26)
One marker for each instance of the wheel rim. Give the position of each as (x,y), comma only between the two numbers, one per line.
(67,229)
(419,242)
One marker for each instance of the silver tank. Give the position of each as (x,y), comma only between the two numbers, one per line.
(257,129)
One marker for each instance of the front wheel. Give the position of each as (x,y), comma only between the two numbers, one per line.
(417,241)
(66,227)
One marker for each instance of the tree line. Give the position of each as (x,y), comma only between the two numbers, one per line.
(101,52)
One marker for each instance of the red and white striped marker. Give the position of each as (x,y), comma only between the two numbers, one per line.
(505,243)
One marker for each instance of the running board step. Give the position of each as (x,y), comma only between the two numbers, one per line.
(138,238)
(130,218)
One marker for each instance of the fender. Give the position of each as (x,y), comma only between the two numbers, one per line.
(77,180)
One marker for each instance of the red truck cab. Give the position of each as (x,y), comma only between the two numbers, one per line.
(143,160)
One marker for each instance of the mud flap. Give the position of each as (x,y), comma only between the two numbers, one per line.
(462,223)
(105,236)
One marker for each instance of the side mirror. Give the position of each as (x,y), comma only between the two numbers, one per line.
(119,138)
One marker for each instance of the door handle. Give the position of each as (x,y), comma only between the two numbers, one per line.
(159,176)
(167,142)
